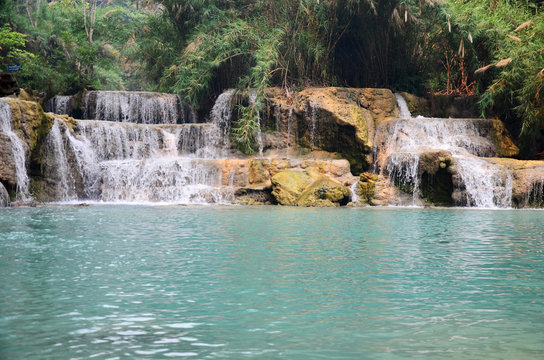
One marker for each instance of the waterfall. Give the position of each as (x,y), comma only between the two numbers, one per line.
(137,107)
(17,150)
(58,169)
(486,185)
(252,99)
(60,104)
(353,189)
(399,145)
(403,107)
(127,162)
(221,115)
(313,128)
(289,131)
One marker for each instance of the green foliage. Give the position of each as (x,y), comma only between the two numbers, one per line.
(64,60)
(198,48)
(12,46)
(256,44)
(508,47)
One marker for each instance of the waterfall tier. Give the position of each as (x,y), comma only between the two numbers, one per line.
(108,161)
(147,147)
(410,151)
(126,106)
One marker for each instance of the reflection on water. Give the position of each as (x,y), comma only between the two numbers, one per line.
(270,282)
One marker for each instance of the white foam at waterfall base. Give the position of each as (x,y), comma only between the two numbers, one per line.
(162,179)
(17,150)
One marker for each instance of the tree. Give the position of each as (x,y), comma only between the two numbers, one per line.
(89,18)
(12,45)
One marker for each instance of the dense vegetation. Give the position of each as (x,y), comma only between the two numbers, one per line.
(197,48)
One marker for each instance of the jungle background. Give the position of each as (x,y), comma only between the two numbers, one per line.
(492,49)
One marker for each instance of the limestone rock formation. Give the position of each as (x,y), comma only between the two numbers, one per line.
(366,187)
(289,185)
(344,120)
(4,196)
(31,125)
(324,192)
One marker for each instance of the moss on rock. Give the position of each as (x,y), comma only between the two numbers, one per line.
(289,185)
(324,192)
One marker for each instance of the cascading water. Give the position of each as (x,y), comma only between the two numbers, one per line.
(146,155)
(221,115)
(252,99)
(400,143)
(57,168)
(313,128)
(60,104)
(486,185)
(157,163)
(289,131)
(17,150)
(404,112)
(137,107)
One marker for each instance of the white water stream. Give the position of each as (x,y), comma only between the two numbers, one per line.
(17,151)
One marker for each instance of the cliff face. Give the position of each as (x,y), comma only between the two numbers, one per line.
(336,120)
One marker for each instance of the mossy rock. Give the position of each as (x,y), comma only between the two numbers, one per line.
(366,188)
(502,140)
(324,192)
(258,171)
(287,186)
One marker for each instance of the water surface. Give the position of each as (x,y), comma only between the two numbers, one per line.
(106,282)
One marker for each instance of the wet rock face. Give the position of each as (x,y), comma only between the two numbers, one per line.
(7,164)
(344,121)
(25,127)
(338,120)
(4,196)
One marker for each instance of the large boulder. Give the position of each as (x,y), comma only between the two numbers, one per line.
(289,185)
(324,192)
